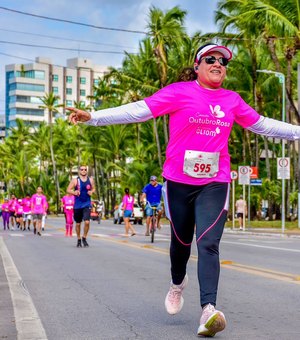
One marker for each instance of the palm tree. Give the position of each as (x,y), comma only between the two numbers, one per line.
(139,78)
(165,29)
(50,104)
(20,136)
(275,27)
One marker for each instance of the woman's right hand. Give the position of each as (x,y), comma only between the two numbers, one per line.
(78,115)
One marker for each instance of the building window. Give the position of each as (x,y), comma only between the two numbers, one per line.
(82,103)
(25,99)
(69,79)
(69,103)
(10,74)
(54,77)
(82,93)
(29,112)
(39,74)
(34,74)
(55,89)
(26,87)
(96,81)
(82,80)
(68,90)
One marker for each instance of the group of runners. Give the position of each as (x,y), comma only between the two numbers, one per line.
(18,212)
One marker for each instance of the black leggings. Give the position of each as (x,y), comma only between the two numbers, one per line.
(206,207)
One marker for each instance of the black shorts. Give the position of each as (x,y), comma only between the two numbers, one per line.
(239,215)
(83,214)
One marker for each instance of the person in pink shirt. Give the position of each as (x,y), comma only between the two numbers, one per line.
(5,214)
(19,214)
(197,167)
(38,208)
(127,207)
(26,203)
(12,209)
(68,209)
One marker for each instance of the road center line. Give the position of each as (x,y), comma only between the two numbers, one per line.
(28,323)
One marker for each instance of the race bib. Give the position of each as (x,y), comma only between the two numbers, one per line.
(199,164)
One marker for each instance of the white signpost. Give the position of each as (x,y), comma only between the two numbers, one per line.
(244,179)
(234,176)
(244,174)
(283,168)
(283,173)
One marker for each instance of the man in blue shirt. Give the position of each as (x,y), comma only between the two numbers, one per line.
(82,188)
(152,193)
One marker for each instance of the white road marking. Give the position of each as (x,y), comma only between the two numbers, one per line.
(260,246)
(28,322)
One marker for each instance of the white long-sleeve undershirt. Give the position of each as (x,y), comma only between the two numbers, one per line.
(269,127)
(136,112)
(139,111)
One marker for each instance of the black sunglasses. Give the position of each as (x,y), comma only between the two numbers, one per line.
(211,60)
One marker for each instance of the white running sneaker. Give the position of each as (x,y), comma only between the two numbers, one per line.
(174,300)
(212,321)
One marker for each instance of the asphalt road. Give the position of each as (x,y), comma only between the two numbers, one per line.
(115,289)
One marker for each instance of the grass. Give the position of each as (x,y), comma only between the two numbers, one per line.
(291,226)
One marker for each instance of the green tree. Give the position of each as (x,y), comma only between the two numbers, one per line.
(50,104)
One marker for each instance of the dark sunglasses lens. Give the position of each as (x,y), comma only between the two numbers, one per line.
(223,61)
(211,60)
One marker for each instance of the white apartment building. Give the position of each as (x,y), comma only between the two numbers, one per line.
(26,83)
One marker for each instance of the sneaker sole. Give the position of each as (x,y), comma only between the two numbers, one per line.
(216,323)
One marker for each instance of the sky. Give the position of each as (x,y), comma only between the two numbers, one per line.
(108,46)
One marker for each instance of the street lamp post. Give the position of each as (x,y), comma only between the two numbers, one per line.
(281,78)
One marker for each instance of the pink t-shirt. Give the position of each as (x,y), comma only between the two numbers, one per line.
(38,204)
(5,207)
(26,203)
(128,202)
(200,122)
(19,209)
(12,204)
(68,202)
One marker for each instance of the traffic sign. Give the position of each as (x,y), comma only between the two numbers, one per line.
(253,172)
(234,175)
(255,181)
(283,168)
(244,174)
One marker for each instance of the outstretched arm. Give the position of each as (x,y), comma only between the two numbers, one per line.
(136,112)
(269,127)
